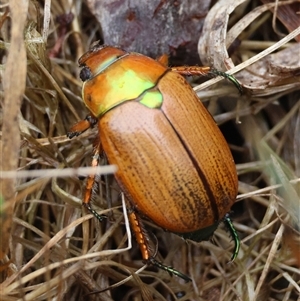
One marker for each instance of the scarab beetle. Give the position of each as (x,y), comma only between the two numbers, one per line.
(174,165)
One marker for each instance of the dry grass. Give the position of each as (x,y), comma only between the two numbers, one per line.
(52,250)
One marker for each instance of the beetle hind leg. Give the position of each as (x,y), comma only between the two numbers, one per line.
(168,269)
(143,242)
(228,223)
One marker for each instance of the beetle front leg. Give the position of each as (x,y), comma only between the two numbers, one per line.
(142,238)
(196,70)
(92,182)
(82,126)
(191,70)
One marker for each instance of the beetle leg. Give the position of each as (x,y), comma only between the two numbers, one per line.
(234,235)
(143,242)
(82,126)
(196,70)
(168,269)
(191,70)
(141,235)
(163,59)
(229,77)
(91,184)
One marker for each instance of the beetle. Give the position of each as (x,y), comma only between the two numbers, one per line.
(174,165)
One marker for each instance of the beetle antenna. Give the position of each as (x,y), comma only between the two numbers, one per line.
(168,269)
(228,223)
(229,77)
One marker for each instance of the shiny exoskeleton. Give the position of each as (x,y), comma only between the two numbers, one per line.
(174,165)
